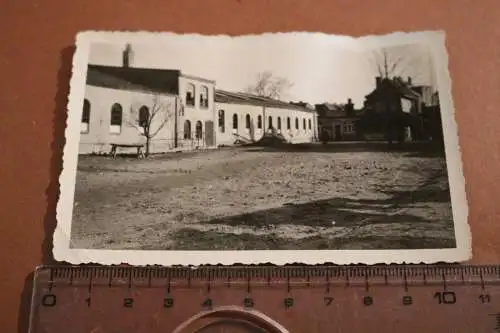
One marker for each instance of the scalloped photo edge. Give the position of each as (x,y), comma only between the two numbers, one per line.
(137,252)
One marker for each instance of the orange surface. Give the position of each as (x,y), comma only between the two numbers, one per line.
(35,63)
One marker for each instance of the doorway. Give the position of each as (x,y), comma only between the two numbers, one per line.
(338,133)
(209,133)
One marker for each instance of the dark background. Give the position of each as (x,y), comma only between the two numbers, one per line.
(36,40)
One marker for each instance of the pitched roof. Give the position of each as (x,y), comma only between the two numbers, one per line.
(132,78)
(333,107)
(223,96)
(397,84)
(333,110)
(404,89)
(303,104)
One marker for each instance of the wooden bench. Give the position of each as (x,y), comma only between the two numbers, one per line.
(139,147)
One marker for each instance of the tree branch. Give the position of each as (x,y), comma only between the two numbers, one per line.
(155,110)
(398,61)
(268,86)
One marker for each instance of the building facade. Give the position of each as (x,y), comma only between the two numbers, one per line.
(196,114)
(167,110)
(108,117)
(246,118)
(337,122)
(392,111)
(432,122)
(125,105)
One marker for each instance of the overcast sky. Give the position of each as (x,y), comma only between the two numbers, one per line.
(322,68)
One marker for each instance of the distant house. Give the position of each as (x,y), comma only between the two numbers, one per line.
(426,93)
(435,98)
(431,118)
(337,122)
(393,110)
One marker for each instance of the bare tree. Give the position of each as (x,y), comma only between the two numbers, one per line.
(406,61)
(150,119)
(402,61)
(269,86)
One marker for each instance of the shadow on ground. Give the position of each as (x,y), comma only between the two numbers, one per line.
(343,212)
(346,211)
(321,213)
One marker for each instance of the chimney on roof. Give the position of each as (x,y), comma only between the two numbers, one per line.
(378,81)
(409,80)
(127,56)
(349,107)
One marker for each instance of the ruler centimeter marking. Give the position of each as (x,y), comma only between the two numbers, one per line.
(402,282)
(119,276)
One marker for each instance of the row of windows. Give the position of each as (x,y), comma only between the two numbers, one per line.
(116,118)
(248,122)
(143,121)
(198,133)
(191,95)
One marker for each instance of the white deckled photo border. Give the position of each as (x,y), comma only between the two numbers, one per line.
(61,237)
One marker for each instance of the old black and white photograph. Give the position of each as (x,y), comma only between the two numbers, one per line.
(274,148)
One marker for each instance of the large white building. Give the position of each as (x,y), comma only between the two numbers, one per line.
(179,112)
(247,118)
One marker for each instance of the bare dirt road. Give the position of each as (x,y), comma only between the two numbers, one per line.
(242,199)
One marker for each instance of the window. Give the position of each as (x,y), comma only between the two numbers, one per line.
(296,123)
(288,123)
(247,121)
(143,116)
(116,119)
(304,123)
(310,126)
(235,121)
(199,130)
(84,128)
(279,123)
(187,130)
(222,121)
(259,121)
(270,122)
(348,127)
(190,93)
(204,97)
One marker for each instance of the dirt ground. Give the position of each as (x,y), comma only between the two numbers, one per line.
(243,199)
